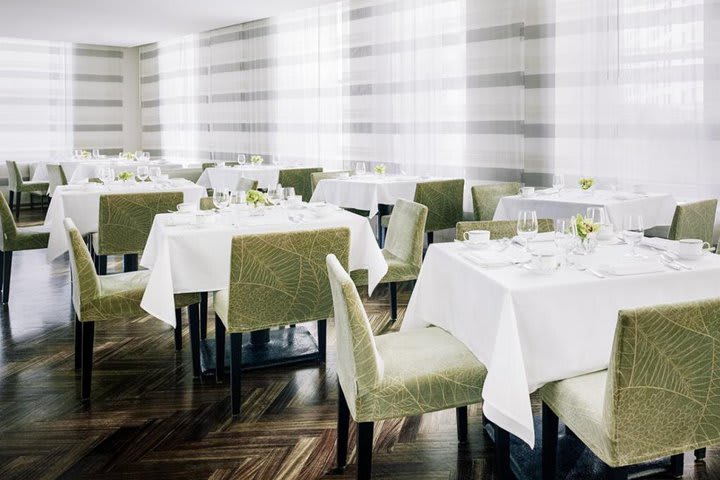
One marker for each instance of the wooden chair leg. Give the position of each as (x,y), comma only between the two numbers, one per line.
(203,314)
(178,329)
(343,427)
(235,366)
(322,340)
(461,416)
(549,442)
(7,270)
(88,340)
(194,322)
(78,343)
(502,453)
(18,196)
(677,465)
(700,454)
(364,449)
(393,301)
(219,350)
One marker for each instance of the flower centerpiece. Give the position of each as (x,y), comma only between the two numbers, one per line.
(586,183)
(126,176)
(587,232)
(380,169)
(127,156)
(257,199)
(85,154)
(257,160)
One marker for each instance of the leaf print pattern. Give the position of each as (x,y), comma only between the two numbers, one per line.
(16,238)
(444,200)
(300,179)
(16,183)
(694,220)
(486,198)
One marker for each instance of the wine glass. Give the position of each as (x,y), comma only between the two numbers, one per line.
(143,173)
(155,173)
(77,153)
(527,226)
(565,233)
(288,192)
(237,197)
(95,153)
(558,182)
(139,155)
(241,159)
(596,215)
(221,198)
(107,175)
(633,232)
(360,168)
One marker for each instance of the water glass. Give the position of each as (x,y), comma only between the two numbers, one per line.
(143,173)
(95,153)
(360,168)
(237,197)
(241,159)
(596,215)
(565,236)
(527,225)
(558,182)
(77,154)
(139,155)
(633,232)
(107,175)
(288,192)
(221,198)
(155,173)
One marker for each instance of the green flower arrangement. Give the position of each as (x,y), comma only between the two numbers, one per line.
(126,176)
(255,197)
(380,169)
(128,155)
(85,154)
(586,183)
(257,160)
(585,227)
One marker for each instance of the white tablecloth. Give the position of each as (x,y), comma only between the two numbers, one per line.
(656,209)
(228,177)
(82,204)
(530,329)
(194,258)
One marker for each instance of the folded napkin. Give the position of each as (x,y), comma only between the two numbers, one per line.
(633,268)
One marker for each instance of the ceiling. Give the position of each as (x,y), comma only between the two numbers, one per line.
(129,23)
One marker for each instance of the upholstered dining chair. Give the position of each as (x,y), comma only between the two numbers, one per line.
(403,249)
(107,298)
(486,198)
(276,279)
(395,375)
(56,177)
(658,398)
(13,239)
(17,185)
(500,228)
(300,179)
(691,220)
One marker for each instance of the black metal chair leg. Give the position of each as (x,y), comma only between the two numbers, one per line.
(502,453)
(101,264)
(7,270)
(203,314)
(430,238)
(461,416)
(12,201)
(700,454)
(322,340)
(343,426)
(549,442)
(88,340)
(219,349)
(235,366)
(619,473)
(178,329)
(677,465)
(130,262)
(78,343)
(364,446)
(194,322)
(18,196)
(393,301)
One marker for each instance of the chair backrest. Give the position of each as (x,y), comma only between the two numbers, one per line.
(56,176)
(206,203)
(8,227)
(246,184)
(15,179)
(317,176)
(281,278)
(207,165)
(86,283)
(694,220)
(486,198)
(662,384)
(444,199)
(500,228)
(406,231)
(126,219)
(359,365)
(300,179)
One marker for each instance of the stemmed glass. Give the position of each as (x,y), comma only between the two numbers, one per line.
(139,155)
(565,236)
(360,168)
(241,159)
(77,153)
(107,175)
(237,197)
(596,215)
(633,232)
(155,173)
(221,198)
(95,153)
(527,226)
(558,182)
(143,172)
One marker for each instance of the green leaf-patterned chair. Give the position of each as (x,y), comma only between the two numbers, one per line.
(14,238)
(106,298)
(500,228)
(486,198)
(56,177)
(17,186)
(276,279)
(317,176)
(394,375)
(207,165)
(300,179)
(403,249)
(691,220)
(658,398)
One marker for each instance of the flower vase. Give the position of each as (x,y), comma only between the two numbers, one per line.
(257,210)
(588,244)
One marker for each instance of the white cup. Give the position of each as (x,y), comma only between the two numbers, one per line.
(692,247)
(477,236)
(607,231)
(527,191)
(186,207)
(546,261)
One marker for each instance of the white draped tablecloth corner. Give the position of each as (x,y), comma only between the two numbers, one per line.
(82,205)
(228,177)
(196,258)
(531,329)
(656,208)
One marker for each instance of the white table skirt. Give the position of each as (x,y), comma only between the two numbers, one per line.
(531,329)
(82,205)
(656,209)
(228,177)
(194,258)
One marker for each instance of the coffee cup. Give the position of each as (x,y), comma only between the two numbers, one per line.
(692,247)
(477,236)
(546,262)
(186,207)
(527,191)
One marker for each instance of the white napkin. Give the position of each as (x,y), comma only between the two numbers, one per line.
(633,268)
(489,259)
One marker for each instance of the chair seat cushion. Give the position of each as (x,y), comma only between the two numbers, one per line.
(398,271)
(661,231)
(28,238)
(425,370)
(221,302)
(34,187)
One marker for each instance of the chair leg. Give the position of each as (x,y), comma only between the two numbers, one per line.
(7,270)
(430,238)
(101,264)
(235,365)
(393,301)
(618,473)
(12,200)
(178,329)
(364,448)
(461,416)
(700,454)
(343,426)
(219,349)
(88,339)
(130,262)
(203,314)
(549,442)
(193,320)
(677,465)
(502,453)
(322,340)
(18,196)
(78,343)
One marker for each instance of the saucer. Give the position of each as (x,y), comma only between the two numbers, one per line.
(689,257)
(475,245)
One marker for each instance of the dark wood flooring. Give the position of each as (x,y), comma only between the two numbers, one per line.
(148,418)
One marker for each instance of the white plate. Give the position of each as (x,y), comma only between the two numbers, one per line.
(475,245)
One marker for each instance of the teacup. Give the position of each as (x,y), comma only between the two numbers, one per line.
(186,207)
(527,191)
(545,261)
(477,236)
(692,247)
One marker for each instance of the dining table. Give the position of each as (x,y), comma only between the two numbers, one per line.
(227,178)
(78,171)
(655,208)
(81,203)
(531,325)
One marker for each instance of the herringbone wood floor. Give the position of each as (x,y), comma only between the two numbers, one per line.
(149,419)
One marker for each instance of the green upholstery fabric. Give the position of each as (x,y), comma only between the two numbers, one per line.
(486,198)
(108,297)
(16,183)
(207,165)
(16,238)
(659,396)
(403,244)
(280,279)
(397,374)
(207,203)
(444,199)
(246,184)
(56,174)
(317,176)
(126,219)
(694,220)
(300,179)
(501,228)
